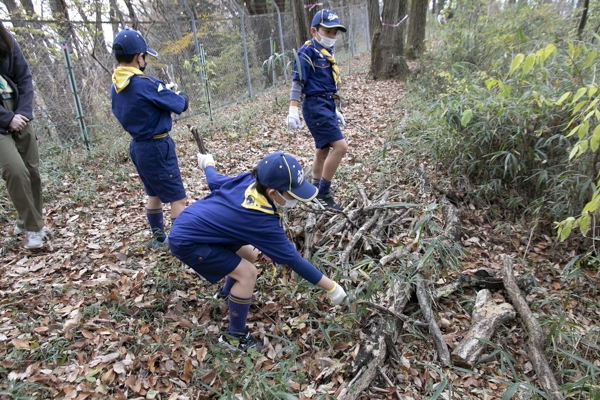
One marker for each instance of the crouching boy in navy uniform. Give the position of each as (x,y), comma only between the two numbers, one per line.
(222,234)
(317,78)
(143,106)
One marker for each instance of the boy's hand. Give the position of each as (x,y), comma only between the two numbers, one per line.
(336,295)
(340,118)
(293,119)
(171,86)
(204,160)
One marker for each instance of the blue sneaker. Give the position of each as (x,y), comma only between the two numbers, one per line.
(156,244)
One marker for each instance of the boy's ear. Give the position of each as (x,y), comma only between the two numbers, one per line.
(313,30)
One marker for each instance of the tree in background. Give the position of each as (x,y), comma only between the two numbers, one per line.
(302,13)
(415,43)
(387,46)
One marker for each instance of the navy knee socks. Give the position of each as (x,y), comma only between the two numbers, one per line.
(156,221)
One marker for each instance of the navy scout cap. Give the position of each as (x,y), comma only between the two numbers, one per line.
(281,171)
(131,42)
(328,19)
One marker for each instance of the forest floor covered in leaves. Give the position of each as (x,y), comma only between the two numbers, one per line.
(98,314)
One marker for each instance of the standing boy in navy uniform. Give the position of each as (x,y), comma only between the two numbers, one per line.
(317,78)
(143,105)
(221,235)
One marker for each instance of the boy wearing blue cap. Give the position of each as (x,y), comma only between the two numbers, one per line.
(143,105)
(317,78)
(222,234)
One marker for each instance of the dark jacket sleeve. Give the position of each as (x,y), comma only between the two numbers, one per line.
(16,71)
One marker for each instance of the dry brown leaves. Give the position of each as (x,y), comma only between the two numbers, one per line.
(97,314)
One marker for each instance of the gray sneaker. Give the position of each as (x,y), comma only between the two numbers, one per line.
(35,240)
(326,200)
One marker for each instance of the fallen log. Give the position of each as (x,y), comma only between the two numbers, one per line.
(487,317)
(536,340)
(434,329)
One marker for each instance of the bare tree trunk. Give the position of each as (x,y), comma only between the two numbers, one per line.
(373,15)
(135,23)
(66,30)
(415,43)
(583,20)
(302,18)
(387,54)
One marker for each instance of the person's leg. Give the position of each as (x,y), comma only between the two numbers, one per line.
(334,158)
(247,252)
(26,143)
(176,208)
(154,213)
(330,166)
(15,172)
(240,295)
(318,163)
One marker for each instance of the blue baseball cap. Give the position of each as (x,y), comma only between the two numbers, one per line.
(281,171)
(328,19)
(131,42)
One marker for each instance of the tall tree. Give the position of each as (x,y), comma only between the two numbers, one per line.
(373,16)
(302,14)
(415,42)
(387,50)
(61,14)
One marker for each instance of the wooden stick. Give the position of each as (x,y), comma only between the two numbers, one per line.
(389,382)
(536,335)
(346,254)
(434,329)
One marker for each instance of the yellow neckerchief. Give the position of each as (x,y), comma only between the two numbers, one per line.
(256,201)
(336,71)
(122,75)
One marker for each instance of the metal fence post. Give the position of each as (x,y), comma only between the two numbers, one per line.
(367,34)
(281,41)
(243,28)
(198,57)
(75,93)
(204,77)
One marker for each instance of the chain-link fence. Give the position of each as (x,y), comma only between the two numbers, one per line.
(217,61)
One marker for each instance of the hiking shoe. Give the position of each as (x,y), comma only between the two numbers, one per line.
(239,341)
(35,240)
(326,200)
(157,244)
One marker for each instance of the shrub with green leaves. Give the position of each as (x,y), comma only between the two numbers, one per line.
(521,131)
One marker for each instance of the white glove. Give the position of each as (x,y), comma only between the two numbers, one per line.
(204,160)
(336,295)
(340,118)
(293,119)
(171,86)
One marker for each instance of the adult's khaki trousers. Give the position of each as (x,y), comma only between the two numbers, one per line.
(19,164)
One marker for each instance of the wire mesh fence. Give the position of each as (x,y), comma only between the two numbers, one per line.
(217,61)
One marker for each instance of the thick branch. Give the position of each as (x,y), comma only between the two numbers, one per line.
(434,330)
(536,335)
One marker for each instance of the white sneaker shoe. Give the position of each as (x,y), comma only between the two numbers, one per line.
(35,240)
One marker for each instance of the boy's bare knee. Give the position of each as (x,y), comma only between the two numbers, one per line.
(249,253)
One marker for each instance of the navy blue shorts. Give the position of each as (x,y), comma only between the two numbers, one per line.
(157,166)
(212,261)
(320,118)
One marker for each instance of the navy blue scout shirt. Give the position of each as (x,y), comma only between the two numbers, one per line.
(316,80)
(143,104)
(235,214)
